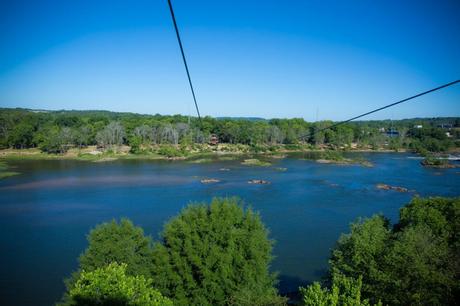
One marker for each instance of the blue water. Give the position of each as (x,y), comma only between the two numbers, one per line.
(46,212)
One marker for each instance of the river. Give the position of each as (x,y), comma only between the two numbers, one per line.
(47,210)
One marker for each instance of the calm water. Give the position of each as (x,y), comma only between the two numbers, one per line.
(46,211)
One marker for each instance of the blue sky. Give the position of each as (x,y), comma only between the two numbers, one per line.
(325,59)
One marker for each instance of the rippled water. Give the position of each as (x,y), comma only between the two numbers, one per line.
(46,211)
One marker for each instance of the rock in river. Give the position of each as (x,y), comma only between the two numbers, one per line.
(388,187)
(208,181)
(260,182)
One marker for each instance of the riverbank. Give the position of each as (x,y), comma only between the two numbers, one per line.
(200,153)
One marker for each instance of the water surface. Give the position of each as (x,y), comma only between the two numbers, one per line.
(46,211)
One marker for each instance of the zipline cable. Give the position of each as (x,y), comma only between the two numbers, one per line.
(386,106)
(319,130)
(183,57)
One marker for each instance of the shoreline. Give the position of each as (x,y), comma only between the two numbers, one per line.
(87,154)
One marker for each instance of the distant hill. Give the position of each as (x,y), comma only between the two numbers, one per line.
(242,118)
(113,114)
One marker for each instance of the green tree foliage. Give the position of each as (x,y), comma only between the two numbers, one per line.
(21,128)
(345,291)
(22,135)
(118,242)
(343,136)
(169,151)
(430,139)
(420,269)
(360,253)
(56,140)
(111,286)
(135,144)
(217,254)
(415,263)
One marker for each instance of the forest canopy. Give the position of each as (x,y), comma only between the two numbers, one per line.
(57,131)
(414,262)
(210,254)
(220,254)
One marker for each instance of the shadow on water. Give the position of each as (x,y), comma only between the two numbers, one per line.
(288,285)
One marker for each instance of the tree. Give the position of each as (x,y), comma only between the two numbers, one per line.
(423,260)
(420,269)
(135,144)
(229,131)
(183,130)
(259,133)
(442,215)
(67,121)
(21,136)
(345,292)
(110,285)
(113,242)
(200,137)
(21,128)
(215,255)
(82,136)
(113,134)
(274,135)
(317,133)
(359,254)
(169,134)
(56,140)
(344,135)
(143,132)
(415,263)
(118,242)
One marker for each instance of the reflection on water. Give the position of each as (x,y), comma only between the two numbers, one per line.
(112,180)
(46,211)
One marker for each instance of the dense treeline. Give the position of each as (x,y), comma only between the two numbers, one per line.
(219,254)
(415,262)
(57,131)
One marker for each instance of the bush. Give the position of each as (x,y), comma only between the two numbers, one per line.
(433,161)
(254,148)
(169,151)
(135,143)
(332,155)
(292,147)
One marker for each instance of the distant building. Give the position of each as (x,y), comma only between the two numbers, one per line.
(392,133)
(418,126)
(445,126)
(214,140)
(382,130)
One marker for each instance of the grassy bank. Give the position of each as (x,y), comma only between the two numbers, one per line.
(197,153)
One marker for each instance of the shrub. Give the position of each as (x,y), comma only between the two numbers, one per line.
(169,151)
